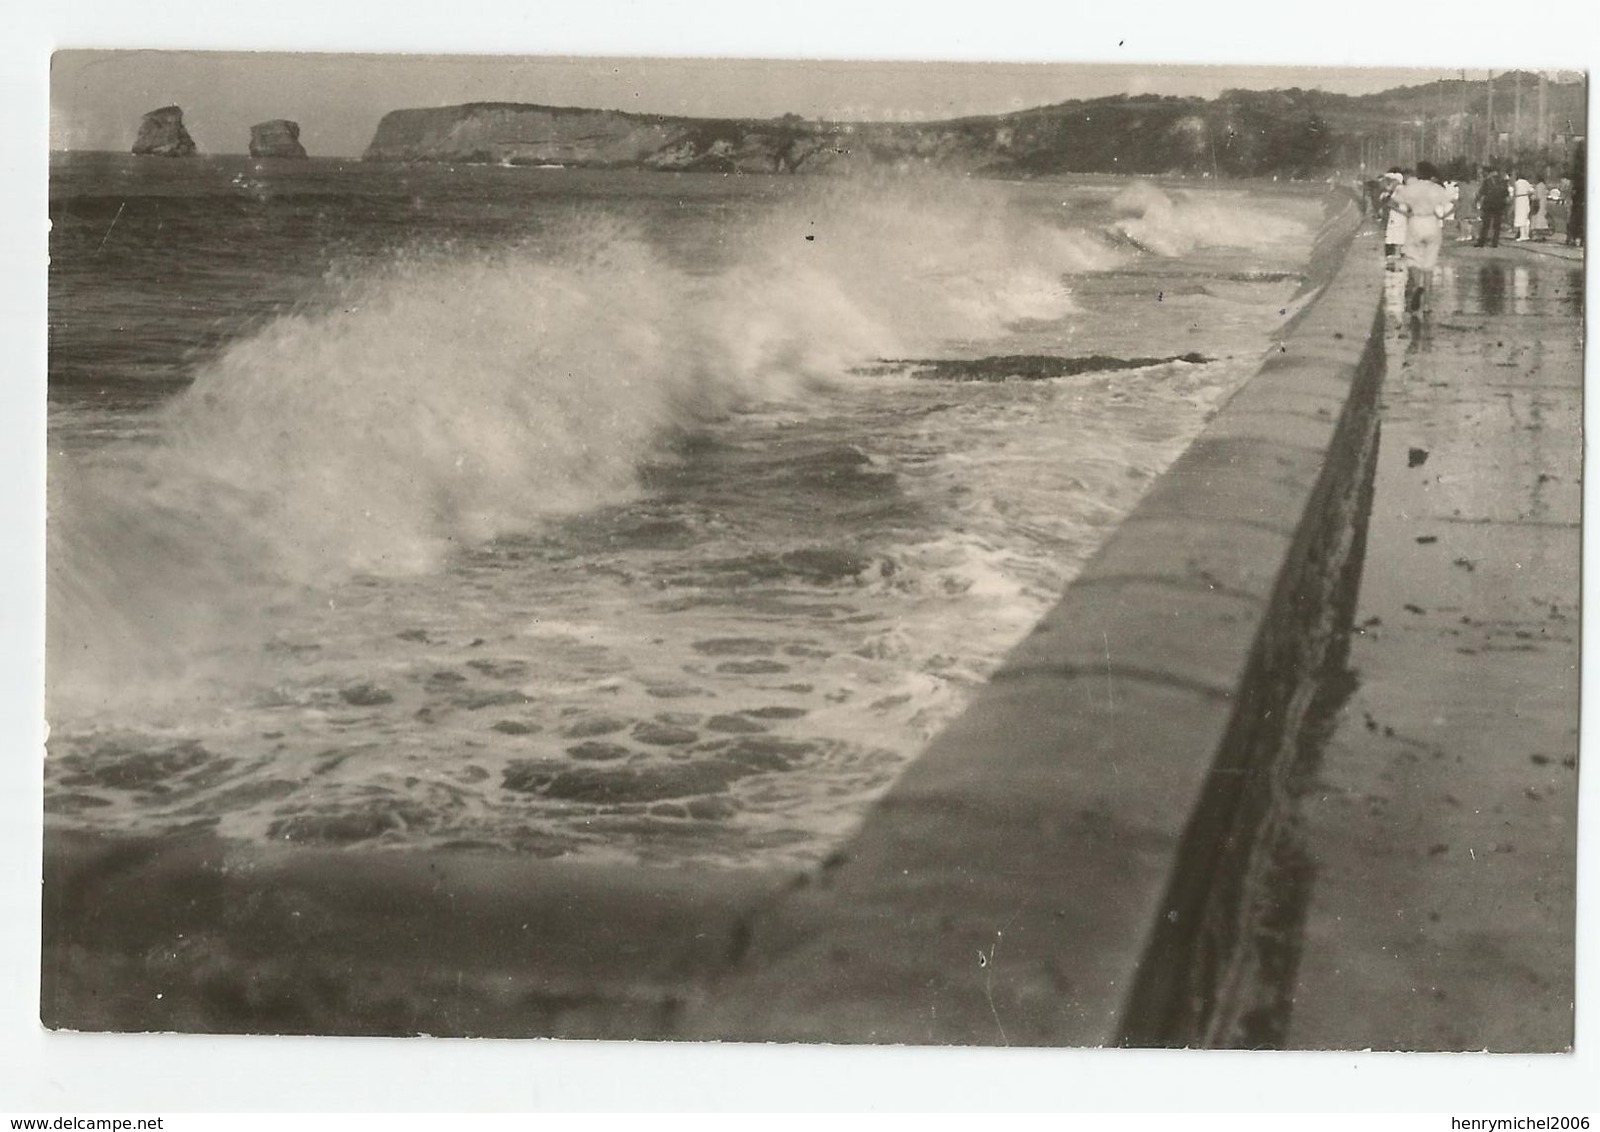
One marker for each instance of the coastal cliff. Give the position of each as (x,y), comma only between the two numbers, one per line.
(1120,134)
(1240,133)
(510,133)
(277,138)
(518,134)
(161,134)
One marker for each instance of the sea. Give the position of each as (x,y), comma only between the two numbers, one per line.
(601,515)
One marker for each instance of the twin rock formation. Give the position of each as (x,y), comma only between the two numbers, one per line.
(277,138)
(161,134)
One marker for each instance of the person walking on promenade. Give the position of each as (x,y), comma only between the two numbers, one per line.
(1521,205)
(1541,210)
(1458,210)
(1491,204)
(1425,204)
(1394,220)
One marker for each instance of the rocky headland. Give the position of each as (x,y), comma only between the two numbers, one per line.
(1240,133)
(517,134)
(520,134)
(161,134)
(277,138)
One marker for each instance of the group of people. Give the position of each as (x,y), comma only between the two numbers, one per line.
(1414,206)
(1529,203)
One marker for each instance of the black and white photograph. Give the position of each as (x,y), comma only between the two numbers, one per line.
(673,548)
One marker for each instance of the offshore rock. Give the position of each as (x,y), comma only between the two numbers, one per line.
(277,138)
(161,134)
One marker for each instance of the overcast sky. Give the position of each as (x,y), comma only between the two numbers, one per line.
(98,97)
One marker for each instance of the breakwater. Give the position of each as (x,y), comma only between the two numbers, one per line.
(1077,861)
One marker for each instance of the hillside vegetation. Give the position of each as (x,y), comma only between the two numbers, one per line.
(1281,133)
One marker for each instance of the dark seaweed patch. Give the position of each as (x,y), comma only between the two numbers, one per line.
(1029,367)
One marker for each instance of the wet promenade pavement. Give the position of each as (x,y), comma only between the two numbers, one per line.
(1441,823)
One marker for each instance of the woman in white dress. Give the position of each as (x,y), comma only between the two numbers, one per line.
(1425,204)
(1541,210)
(1521,206)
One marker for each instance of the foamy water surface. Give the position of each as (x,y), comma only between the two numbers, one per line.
(607,516)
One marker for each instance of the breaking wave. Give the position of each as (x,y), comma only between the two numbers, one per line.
(1178,223)
(447,398)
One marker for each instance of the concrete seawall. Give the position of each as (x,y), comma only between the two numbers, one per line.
(1088,856)
(1093,854)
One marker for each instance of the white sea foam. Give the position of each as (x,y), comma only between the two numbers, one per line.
(818,579)
(1176,224)
(446,399)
